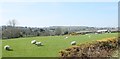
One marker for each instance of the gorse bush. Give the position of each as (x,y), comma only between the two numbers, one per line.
(99,48)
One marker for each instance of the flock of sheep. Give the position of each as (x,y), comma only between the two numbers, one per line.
(7,47)
(36,43)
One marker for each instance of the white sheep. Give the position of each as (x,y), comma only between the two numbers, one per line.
(66,37)
(73,43)
(38,43)
(33,41)
(7,47)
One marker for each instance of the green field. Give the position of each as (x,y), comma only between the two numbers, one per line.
(0,48)
(22,47)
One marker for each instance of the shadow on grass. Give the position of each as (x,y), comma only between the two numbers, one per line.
(39,45)
(10,50)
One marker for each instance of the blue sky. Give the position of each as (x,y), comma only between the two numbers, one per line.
(42,14)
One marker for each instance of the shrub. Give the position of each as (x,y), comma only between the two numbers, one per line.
(99,48)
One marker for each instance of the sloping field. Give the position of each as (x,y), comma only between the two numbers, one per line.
(0,48)
(22,47)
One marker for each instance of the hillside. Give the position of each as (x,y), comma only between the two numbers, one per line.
(52,45)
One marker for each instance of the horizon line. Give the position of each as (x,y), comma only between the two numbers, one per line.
(64,26)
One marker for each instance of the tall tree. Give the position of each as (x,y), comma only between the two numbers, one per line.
(12,22)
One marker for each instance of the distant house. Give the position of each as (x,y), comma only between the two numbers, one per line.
(114,30)
(102,31)
(84,32)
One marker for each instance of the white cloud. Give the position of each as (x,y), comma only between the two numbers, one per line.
(60,0)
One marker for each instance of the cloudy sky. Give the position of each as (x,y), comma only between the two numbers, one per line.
(41,14)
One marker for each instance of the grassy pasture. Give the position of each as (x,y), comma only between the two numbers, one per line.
(22,47)
(0,48)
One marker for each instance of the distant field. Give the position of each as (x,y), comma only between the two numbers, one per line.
(22,47)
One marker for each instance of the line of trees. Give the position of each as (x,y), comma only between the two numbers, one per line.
(16,32)
(12,31)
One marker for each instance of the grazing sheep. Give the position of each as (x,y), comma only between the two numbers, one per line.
(33,41)
(38,43)
(7,47)
(73,43)
(66,37)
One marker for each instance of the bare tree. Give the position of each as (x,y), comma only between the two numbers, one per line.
(12,22)
(11,31)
